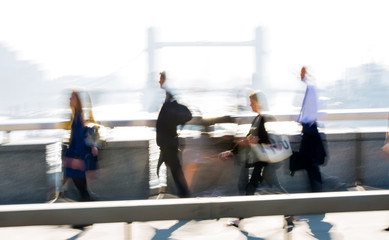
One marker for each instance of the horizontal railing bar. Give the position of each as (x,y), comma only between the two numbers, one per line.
(366,114)
(205,44)
(192,208)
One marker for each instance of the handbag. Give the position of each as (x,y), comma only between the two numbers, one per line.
(278,150)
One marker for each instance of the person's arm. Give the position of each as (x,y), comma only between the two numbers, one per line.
(309,109)
(91,132)
(261,133)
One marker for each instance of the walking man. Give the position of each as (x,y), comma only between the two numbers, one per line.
(170,116)
(312,151)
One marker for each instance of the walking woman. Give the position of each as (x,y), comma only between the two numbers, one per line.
(256,135)
(80,156)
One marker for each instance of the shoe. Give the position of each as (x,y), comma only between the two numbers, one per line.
(289,224)
(289,221)
(234,223)
(250,189)
(386,229)
(79,227)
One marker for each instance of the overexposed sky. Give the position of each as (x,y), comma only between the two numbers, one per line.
(96,38)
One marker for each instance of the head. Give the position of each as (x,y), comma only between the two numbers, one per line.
(303,72)
(75,102)
(258,101)
(162,78)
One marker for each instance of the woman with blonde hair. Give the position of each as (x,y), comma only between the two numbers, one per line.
(257,135)
(80,156)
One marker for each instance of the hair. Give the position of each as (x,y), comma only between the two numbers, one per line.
(163,74)
(308,70)
(79,104)
(78,107)
(260,98)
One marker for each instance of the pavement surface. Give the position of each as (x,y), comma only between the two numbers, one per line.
(331,226)
(353,226)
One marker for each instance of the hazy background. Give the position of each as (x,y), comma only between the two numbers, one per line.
(48,46)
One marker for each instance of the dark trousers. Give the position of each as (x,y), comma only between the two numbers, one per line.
(314,177)
(82,189)
(169,155)
(256,177)
(313,153)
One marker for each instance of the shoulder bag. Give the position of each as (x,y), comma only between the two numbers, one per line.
(278,150)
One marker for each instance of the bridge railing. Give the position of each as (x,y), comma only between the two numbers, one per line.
(328,115)
(192,208)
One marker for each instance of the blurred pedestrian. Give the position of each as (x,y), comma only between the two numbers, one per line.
(170,116)
(81,154)
(257,135)
(312,152)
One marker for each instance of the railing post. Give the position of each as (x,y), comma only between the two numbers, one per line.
(358,159)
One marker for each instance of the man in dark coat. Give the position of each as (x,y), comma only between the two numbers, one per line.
(170,116)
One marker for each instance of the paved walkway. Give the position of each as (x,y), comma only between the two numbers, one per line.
(344,226)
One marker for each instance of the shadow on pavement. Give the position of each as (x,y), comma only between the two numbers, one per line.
(166,233)
(78,235)
(319,228)
(250,237)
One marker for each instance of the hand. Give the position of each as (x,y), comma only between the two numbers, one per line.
(95,151)
(74,163)
(253,139)
(225,155)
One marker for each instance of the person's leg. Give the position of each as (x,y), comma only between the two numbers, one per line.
(314,177)
(82,188)
(61,188)
(308,150)
(256,177)
(270,176)
(84,195)
(172,161)
(243,179)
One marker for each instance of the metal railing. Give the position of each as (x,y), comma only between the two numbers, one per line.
(192,208)
(329,115)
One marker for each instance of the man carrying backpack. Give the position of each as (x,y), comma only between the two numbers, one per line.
(170,116)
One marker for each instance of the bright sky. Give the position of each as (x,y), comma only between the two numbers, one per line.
(95,38)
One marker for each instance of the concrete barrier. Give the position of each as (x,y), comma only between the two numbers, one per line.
(25,172)
(124,168)
(353,158)
(123,172)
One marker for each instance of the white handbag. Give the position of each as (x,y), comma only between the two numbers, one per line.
(278,150)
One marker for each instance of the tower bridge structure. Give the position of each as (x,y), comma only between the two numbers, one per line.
(256,43)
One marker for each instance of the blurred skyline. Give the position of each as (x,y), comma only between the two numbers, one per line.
(103,44)
(100,38)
